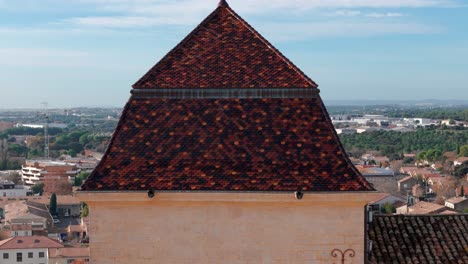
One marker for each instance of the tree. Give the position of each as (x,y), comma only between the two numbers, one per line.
(463,151)
(83,175)
(53,204)
(433,155)
(462,170)
(388,208)
(38,188)
(78,181)
(452,122)
(85,210)
(14,177)
(445,190)
(72,153)
(422,156)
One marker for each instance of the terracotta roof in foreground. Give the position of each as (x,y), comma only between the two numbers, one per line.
(419,239)
(245,122)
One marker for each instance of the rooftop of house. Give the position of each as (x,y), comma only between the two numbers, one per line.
(419,239)
(69,252)
(383,196)
(44,164)
(447,211)
(455,200)
(62,200)
(432,175)
(415,170)
(225,111)
(407,178)
(381,158)
(423,207)
(374,171)
(29,242)
(26,209)
(462,159)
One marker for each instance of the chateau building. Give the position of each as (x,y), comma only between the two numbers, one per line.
(225,153)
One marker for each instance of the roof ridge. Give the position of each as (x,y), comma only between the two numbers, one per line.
(422,215)
(272,47)
(245,24)
(187,38)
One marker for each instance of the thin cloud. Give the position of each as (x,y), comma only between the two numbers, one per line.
(382,15)
(347,13)
(357,13)
(127,21)
(33,57)
(302,31)
(249,6)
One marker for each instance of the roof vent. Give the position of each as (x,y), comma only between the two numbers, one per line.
(19,241)
(37,241)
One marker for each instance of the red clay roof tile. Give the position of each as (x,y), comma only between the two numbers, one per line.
(219,133)
(224,51)
(419,239)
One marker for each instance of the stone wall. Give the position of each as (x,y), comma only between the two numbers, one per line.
(225,227)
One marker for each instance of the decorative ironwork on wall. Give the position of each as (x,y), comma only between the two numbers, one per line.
(337,253)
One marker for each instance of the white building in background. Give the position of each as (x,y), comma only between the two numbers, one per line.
(419,121)
(51,125)
(34,171)
(9,189)
(346,131)
(31,174)
(28,249)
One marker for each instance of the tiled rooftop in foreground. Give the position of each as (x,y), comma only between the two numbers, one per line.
(411,239)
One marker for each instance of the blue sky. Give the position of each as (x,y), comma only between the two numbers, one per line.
(89,52)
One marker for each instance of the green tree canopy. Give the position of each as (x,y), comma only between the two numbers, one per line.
(38,188)
(464,151)
(53,204)
(85,210)
(462,170)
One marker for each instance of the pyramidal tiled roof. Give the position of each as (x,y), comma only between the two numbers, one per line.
(225,111)
(224,51)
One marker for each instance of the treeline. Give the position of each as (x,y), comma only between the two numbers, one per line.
(394,144)
(63,142)
(28,131)
(77,141)
(454,114)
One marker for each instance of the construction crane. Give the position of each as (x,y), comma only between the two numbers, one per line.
(46,129)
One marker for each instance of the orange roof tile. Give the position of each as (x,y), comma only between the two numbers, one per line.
(225,111)
(22,242)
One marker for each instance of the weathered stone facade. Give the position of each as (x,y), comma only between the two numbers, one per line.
(225,227)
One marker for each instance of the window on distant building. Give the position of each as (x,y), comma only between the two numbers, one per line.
(41,254)
(19,257)
(5,256)
(30,255)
